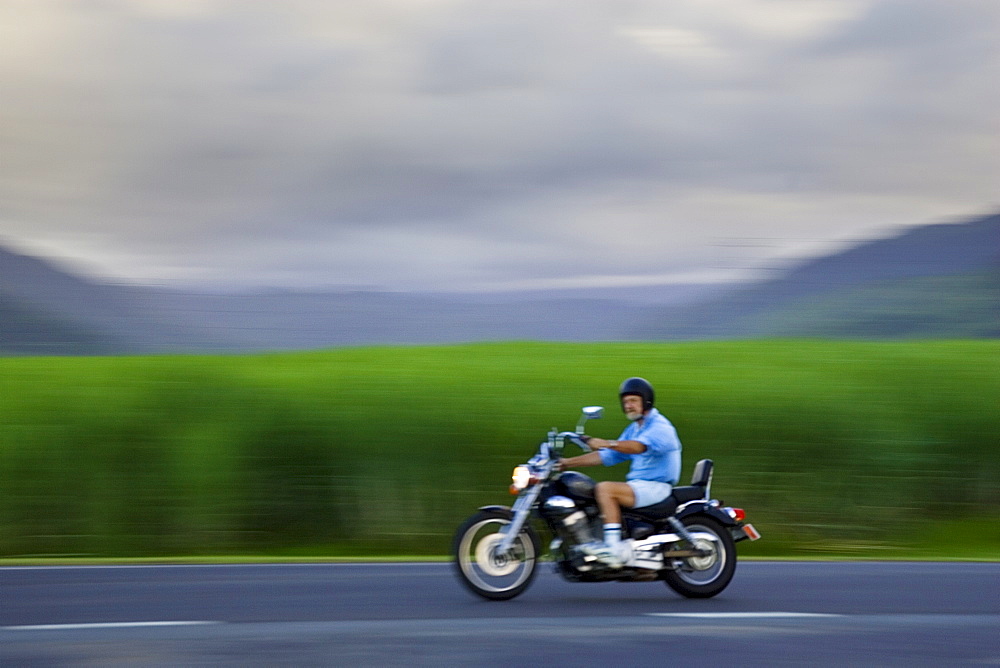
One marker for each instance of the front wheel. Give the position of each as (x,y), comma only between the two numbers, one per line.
(487,572)
(703,577)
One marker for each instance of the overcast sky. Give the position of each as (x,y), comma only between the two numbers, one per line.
(469,144)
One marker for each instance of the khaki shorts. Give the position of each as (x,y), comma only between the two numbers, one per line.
(648,492)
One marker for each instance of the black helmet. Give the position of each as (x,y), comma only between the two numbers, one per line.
(638,386)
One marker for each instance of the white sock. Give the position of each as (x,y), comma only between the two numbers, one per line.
(612,534)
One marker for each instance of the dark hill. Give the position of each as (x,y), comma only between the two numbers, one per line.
(937,280)
(47,310)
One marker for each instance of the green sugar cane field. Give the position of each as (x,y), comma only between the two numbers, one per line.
(835,449)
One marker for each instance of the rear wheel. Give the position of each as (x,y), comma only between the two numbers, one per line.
(482,567)
(703,577)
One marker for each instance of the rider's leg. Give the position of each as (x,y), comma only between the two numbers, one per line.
(611,498)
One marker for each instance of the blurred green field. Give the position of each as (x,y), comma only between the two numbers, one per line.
(861,450)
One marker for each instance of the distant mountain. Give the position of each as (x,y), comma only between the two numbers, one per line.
(46,310)
(29,331)
(50,311)
(285,320)
(932,281)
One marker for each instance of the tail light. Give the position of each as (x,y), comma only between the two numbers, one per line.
(737,514)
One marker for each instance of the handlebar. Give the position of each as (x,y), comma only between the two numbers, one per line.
(575,438)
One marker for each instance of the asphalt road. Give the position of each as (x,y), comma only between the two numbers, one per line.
(773,614)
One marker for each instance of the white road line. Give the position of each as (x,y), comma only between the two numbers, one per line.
(740,615)
(310,564)
(105,625)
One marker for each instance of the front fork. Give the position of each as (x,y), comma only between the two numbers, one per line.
(522,510)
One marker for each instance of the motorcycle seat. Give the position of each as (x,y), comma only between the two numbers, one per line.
(667,507)
(657,511)
(696,490)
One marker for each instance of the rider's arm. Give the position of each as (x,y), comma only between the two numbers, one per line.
(589,459)
(598,444)
(624,447)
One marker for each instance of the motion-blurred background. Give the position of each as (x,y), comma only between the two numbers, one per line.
(311,277)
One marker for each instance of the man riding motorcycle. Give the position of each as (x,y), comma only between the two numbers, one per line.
(651,444)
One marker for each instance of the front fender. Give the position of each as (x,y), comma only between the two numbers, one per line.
(502,509)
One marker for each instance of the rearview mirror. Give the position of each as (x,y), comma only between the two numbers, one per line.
(589,413)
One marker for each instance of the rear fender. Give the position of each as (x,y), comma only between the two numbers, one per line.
(707,509)
(736,529)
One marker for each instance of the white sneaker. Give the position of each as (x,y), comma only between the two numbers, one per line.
(625,552)
(613,556)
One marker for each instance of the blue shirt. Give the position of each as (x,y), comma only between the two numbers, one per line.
(661,461)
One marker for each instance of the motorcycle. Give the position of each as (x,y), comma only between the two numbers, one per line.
(687,540)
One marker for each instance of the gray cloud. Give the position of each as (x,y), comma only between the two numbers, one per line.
(459,143)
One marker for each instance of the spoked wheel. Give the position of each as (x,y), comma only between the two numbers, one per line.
(483,568)
(703,577)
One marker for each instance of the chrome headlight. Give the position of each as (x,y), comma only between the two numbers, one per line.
(521,478)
